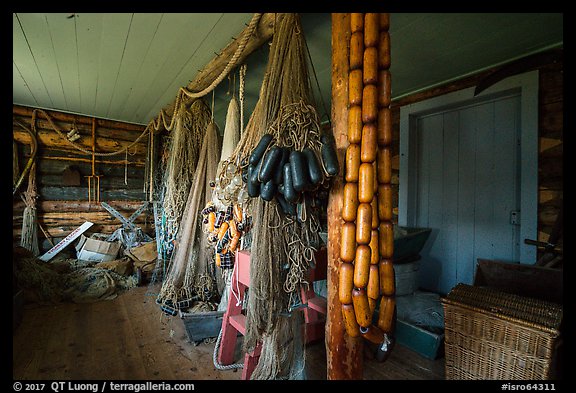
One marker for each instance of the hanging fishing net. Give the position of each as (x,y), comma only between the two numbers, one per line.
(191,272)
(164,244)
(219,201)
(282,128)
(187,135)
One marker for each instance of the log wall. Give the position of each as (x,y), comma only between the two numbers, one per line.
(550,164)
(550,161)
(62,208)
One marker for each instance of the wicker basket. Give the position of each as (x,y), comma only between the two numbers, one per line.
(495,335)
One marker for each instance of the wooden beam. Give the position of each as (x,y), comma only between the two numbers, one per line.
(49,139)
(263,33)
(79,119)
(89,160)
(76,206)
(344,354)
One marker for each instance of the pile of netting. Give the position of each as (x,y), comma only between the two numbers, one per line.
(54,282)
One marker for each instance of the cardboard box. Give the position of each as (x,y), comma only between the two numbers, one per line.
(93,250)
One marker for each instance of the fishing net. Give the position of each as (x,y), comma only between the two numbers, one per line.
(164,245)
(187,135)
(191,273)
(282,355)
(91,284)
(229,143)
(231,130)
(51,283)
(283,247)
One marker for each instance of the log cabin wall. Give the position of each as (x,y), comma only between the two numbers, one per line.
(550,119)
(61,207)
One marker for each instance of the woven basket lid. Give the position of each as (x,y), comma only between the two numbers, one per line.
(535,313)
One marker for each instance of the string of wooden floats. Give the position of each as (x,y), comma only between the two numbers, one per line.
(366,272)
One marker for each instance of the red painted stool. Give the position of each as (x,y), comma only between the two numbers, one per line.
(314,313)
(234,321)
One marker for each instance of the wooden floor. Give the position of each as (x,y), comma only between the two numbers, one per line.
(129,338)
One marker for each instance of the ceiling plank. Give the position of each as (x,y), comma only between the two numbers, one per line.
(40,42)
(194,31)
(455,45)
(149,66)
(115,29)
(142,33)
(22,57)
(20,91)
(63,33)
(221,34)
(168,30)
(96,61)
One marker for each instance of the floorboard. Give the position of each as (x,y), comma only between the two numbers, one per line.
(129,338)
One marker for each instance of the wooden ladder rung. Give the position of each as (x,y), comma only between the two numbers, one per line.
(317,303)
(238,322)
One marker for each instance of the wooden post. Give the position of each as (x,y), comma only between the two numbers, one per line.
(344,354)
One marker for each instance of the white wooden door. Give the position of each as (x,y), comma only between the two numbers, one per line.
(467,188)
(466,163)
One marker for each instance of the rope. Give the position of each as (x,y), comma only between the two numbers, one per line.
(241,95)
(232,63)
(297,127)
(183,91)
(215,357)
(317,83)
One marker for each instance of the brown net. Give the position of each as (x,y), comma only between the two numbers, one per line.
(190,274)
(187,134)
(282,247)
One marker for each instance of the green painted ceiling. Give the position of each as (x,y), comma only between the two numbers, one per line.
(128,66)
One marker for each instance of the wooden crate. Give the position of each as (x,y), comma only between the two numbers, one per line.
(490,334)
(427,343)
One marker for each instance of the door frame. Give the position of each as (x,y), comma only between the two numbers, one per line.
(526,85)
